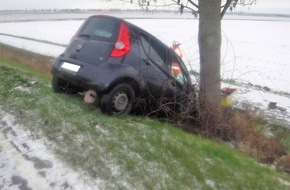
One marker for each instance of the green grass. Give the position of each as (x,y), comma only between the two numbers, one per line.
(126,152)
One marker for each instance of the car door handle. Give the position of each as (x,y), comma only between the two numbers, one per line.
(146,61)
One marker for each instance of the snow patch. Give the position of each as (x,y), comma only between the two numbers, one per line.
(26,161)
(210,183)
(283,182)
(22,89)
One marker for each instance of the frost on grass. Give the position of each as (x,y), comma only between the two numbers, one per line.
(210,183)
(283,182)
(26,86)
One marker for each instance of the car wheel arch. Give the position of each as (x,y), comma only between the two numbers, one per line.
(125,80)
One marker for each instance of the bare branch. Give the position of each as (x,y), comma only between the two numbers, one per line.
(182,6)
(225,7)
(230,4)
(194,4)
(194,7)
(246,2)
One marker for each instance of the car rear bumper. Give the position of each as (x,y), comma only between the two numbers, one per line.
(84,75)
(95,77)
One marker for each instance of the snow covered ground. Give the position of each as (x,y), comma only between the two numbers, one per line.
(255,53)
(26,162)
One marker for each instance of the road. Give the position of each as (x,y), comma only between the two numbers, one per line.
(26,163)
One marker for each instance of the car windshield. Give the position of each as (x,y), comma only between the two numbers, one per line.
(99,28)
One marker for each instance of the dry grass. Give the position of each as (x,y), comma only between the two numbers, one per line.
(284,164)
(37,62)
(252,141)
(240,129)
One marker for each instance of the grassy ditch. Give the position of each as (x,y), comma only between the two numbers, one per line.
(125,152)
(38,62)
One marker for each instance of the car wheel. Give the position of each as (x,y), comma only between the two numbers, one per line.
(58,85)
(119,100)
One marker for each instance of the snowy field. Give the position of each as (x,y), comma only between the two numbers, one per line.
(255,53)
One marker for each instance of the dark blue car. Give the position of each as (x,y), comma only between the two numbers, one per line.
(120,66)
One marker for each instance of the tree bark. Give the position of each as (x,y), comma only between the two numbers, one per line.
(209,39)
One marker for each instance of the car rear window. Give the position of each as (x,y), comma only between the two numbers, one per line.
(100,28)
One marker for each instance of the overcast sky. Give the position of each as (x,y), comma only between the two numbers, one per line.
(262,6)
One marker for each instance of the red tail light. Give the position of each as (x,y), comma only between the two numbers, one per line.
(122,46)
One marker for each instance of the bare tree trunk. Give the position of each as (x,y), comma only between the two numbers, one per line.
(209,39)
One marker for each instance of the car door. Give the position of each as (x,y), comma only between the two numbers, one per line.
(155,68)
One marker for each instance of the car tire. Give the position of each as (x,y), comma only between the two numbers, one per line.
(118,101)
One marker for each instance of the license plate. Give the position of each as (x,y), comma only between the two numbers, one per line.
(70,67)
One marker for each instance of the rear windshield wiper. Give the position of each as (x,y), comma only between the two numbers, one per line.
(84,36)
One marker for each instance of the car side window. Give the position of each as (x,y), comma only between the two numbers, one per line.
(154,51)
(177,71)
